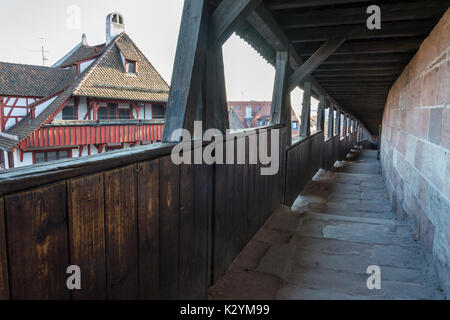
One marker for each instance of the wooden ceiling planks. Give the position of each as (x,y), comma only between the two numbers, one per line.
(360,72)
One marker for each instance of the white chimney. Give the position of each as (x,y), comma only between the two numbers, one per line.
(115,25)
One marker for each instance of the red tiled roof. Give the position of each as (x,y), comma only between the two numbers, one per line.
(31,81)
(105,78)
(83,53)
(260,111)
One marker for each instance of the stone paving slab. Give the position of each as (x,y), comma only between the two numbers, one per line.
(341,224)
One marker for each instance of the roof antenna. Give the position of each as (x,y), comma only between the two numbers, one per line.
(42,51)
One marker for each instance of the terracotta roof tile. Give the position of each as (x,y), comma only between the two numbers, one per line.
(6,143)
(83,53)
(31,81)
(128,51)
(105,78)
(109,80)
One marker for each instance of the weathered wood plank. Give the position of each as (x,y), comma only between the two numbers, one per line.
(188,234)
(389,30)
(363,47)
(221,219)
(203,200)
(38,243)
(415,10)
(331,122)
(188,69)
(4,284)
(215,114)
(368,59)
(148,220)
(229,15)
(305,128)
(207,181)
(314,61)
(290,4)
(41,174)
(121,233)
(169,200)
(321,114)
(86,216)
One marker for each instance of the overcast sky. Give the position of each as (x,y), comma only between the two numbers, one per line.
(153,25)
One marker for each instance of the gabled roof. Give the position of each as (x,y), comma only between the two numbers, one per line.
(109,80)
(105,78)
(31,81)
(26,126)
(81,53)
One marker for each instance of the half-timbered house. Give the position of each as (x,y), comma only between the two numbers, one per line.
(94,99)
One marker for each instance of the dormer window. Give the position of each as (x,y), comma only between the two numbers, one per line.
(130,66)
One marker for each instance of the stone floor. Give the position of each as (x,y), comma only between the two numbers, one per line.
(321,247)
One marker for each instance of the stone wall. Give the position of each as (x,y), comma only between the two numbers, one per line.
(416,146)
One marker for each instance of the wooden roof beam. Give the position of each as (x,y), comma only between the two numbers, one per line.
(262,20)
(415,10)
(363,47)
(314,61)
(229,15)
(368,58)
(293,4)
(389,30)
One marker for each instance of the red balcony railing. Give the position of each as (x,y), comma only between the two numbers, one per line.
(79,133)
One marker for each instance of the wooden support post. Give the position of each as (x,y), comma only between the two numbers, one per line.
(214,107)
(331,121)
(279,106)
(344,126)
(188,69)
(321,114)
(198,82)
(305,129)
(338,121)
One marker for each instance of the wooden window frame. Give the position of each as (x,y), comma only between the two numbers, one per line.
(74,112)
(127,62)
(11,160)
(49,150)
(154,108)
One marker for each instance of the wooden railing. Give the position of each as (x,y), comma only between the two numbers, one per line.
(345,145)
(94,133)
(331,152)
(137,225)
(304,159)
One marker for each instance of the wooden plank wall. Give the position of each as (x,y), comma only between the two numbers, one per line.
(346,144)
(245,199)
(331,152)
(304,159)
(151,230)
